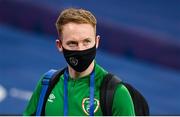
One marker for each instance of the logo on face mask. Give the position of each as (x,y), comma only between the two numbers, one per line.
(73,61)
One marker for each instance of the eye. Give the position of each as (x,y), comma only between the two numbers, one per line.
(86,42)
(72,44)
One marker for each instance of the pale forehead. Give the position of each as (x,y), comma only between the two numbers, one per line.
(77,31)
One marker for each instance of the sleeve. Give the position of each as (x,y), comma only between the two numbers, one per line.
(122,103)
(32,104)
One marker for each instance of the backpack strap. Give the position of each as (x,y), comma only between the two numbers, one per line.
(45,83)
(108,87)
(48,82)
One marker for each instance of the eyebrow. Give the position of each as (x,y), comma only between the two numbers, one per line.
(71,42)
(87,39)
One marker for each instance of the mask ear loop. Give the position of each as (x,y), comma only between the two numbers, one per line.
(96,41)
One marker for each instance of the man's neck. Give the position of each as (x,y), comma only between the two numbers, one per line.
(74,74)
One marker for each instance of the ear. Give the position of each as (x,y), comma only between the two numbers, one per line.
(59,45)
(97,41)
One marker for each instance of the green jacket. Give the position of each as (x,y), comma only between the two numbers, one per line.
(78,98)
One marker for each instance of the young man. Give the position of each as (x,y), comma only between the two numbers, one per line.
(78,43)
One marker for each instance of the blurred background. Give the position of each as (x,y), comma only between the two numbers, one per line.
(140,42)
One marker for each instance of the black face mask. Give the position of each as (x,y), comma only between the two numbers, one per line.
(80,60)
